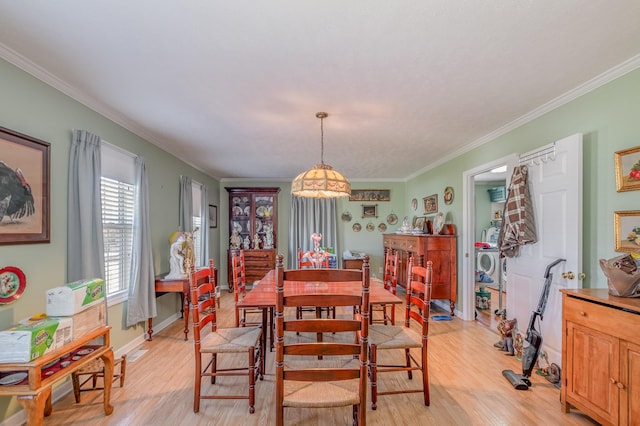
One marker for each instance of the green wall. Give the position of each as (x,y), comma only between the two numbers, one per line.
(31,107)
(608,119)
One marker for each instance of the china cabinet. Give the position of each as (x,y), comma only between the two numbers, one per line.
(601,355)
(253,226)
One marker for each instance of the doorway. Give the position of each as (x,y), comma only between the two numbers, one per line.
(490,270)
(478,216)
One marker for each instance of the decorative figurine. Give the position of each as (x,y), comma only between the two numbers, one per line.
(256,241)
(268,238)
(176,255)
(246,243)
(235,240)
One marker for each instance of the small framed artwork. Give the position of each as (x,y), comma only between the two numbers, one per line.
(213,216)
(627,229)
(430,204)
(628,169)
(419,223)
(24,188)
(369,210)
(370,195)
(448,195)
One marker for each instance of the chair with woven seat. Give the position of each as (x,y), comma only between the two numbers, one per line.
(240,291)
(384,337)
(306,261)
(216,341)
(390,281)
(94,370)
(339,379)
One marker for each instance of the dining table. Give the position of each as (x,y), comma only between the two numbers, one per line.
(263,294)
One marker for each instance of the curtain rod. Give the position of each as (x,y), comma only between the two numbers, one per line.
(543,154)
(120,150)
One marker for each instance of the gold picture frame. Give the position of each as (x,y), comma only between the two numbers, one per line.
(430,204)
(370,195)
(627,231)
(628,169)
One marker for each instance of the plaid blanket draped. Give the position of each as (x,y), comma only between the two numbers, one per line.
(518,227)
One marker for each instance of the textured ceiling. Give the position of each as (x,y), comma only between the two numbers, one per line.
(232,87)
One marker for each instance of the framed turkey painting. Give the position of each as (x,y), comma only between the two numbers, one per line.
(24,189)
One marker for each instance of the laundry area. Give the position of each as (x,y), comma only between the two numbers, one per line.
(490,269)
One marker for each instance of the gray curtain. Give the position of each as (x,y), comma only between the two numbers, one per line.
(185,205)
(85,247)
(309,215)
(141,304)
(203,256)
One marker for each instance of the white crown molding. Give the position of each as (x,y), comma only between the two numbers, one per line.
(616,72)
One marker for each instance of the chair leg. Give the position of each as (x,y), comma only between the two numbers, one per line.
(425,376)
(214,368)
(76,386)
(252,380)
(407,355)
(123,369)
(393,314)
(373,372)
(197,385)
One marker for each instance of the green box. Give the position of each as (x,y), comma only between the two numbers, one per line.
(483,300)
(26,342)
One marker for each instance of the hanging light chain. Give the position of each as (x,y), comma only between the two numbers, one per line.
(321,116)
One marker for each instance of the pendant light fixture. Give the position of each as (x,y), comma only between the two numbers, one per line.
(321,181)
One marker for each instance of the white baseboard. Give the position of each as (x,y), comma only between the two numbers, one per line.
(60,391)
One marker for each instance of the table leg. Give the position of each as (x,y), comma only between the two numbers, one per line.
(150,332)
(185,314)
(264,329)
(107,359)
(36,405)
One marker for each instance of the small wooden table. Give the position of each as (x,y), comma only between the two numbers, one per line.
(173,285)
(34,391)
(263,294)
(176,285)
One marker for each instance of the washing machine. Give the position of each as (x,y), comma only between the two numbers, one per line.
(488,261)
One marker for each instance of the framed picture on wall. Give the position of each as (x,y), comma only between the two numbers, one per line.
(24,188)
(370,195)
(430,204)
(627,231)
(369,210)
(213,216)
(628,169)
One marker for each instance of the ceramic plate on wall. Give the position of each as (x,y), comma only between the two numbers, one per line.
(12,284)
(346,217)
(392,219)
(448,195)
(370,226)
(382,227)
(356,227)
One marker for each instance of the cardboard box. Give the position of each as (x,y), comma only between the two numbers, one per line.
(26,342)
(89,319)
(75,297)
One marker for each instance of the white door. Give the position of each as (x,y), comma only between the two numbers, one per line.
(556,191)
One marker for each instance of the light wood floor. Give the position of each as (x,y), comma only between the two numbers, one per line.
(467,388)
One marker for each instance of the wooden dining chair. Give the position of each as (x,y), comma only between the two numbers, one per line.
(339,379)
(390,281)
(305,262)
(215,341)
(381,337)
(239,279)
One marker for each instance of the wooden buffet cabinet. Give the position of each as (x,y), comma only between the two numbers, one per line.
(601,355)
(441,249)
(253,212)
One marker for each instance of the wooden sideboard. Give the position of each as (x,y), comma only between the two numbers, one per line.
(34,390)
(440,249)
(601,355)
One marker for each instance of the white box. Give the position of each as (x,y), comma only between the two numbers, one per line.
(75,297)
(26,342)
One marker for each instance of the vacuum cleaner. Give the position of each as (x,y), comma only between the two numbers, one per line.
(533,338)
